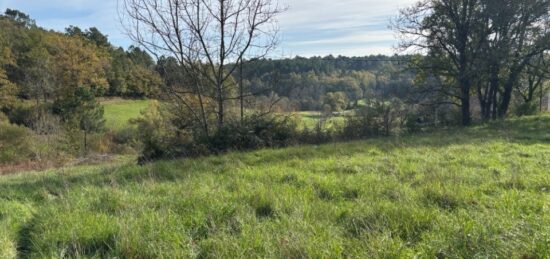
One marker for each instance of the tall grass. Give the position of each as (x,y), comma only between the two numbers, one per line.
(463,193)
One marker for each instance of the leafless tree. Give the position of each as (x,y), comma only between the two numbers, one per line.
(207,38)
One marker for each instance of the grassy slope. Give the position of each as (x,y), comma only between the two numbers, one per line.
(311,120)
(478,192)
(118,111)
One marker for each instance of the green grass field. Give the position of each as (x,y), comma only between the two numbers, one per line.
(311,120)
(118,112)
(481,192)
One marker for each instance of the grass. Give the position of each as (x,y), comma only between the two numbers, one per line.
(311,120)
(480,192)
(118,112)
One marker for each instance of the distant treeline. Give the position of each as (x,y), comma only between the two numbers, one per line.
(44,65)
(311,83)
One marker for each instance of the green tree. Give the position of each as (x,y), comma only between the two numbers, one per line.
(82,111)
(8,89)
(518,35)
(451,33)
(337,101)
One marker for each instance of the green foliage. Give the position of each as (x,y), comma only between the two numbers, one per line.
(254,132)
(307,81)
(157,134)
(527,108)
(162,139)
(337,101)
(131,75)
(81,110)
(22,114)
(458,193)
(375,119)
(8,89)
(46,64)
(15,143)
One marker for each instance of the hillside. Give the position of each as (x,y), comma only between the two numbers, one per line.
(477,192)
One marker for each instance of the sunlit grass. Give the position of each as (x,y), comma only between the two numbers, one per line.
(118,112)
(464,193)
(311,120)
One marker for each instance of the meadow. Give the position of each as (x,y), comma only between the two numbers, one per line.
(311,119)
(118,112)
(479,192)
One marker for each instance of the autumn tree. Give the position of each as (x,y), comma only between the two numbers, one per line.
(77,63)
(7,88)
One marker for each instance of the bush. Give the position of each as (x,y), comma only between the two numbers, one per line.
(253,133)
(527,108)
(22,115)
(162,138)
(317,135)
(15,143)
(3,117)
(157,134)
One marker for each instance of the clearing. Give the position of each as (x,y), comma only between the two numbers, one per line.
(118,112)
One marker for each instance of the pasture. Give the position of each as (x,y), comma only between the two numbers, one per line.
(460,193)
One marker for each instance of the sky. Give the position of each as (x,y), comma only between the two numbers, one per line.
(307,28)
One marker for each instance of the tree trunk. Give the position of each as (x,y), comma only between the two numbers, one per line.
(203,112)
(241,90)
(507,95)
(465,101)
(85,143)
(221,111)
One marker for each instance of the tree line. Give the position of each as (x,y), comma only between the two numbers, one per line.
(495,50)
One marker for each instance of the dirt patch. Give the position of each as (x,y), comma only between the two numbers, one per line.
(29,166)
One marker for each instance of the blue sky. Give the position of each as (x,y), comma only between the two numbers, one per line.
(309,27)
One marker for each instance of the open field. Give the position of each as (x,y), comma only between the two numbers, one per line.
(310,119)
(462,193)
(119,111)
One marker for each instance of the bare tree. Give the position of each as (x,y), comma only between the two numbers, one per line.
(206,37)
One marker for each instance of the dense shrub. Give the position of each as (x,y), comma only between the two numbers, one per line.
(15,143)
(158,136)
(252,133)
(23,115)
(375,119)
(3,117)
(527,108)
(317,135)
(162,137)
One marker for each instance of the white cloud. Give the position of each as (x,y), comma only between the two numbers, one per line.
(344,27)
(365,38)
(309,27)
